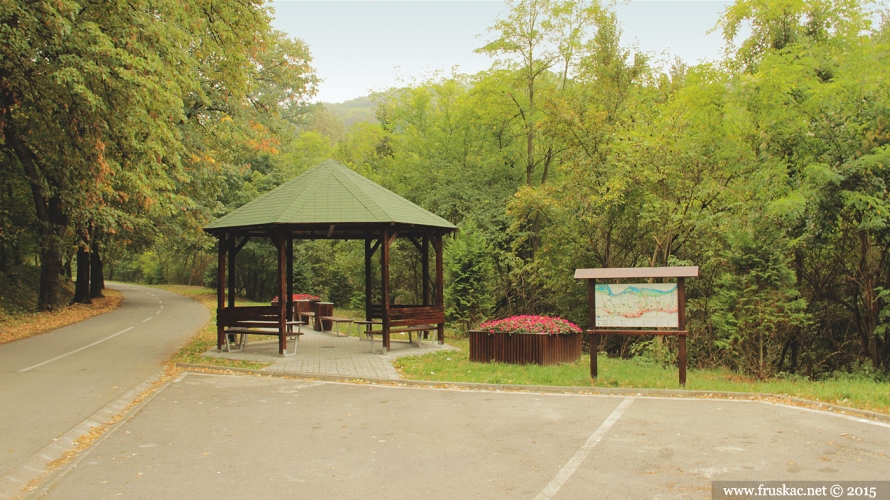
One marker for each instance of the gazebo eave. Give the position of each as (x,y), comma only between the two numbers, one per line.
(329,230)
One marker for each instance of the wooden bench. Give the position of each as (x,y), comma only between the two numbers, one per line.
(368,324)
(246,320)
(335,320)
(249,327)
(402,329)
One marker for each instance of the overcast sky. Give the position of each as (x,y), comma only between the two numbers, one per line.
(362,46)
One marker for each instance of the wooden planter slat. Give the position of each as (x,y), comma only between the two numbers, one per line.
(523,349)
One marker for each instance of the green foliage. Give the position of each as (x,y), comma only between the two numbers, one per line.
(353,111)
(581,155)
(757,306)
(132,119)
(333,270)
(468,269)
(256,268)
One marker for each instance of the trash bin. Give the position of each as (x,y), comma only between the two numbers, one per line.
(323,309)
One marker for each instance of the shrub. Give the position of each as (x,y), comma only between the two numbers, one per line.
(467,287)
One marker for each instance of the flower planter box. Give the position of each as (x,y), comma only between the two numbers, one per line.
(524,348)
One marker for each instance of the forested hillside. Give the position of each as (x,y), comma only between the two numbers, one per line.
(769,170)
(353,111)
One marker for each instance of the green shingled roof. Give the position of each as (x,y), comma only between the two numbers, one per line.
(329,194)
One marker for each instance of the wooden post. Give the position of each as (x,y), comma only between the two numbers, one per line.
(290,278)
(368,277)
(231,270)
(384,264)
(282,289)
(681,325)
(221,288)
(591,321)
(440,285)
(425,265)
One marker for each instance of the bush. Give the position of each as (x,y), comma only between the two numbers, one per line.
(467,289)
(757,304)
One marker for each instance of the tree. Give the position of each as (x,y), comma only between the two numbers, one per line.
(815,85)
(105,108)
(542,40)
(468,268)
(84,91)
(758,304)
(776,25)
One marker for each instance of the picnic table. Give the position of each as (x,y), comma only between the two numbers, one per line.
(244,328)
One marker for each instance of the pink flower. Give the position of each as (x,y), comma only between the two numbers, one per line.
(300,296)
(530,324)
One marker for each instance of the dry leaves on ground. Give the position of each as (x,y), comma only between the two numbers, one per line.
(28,325)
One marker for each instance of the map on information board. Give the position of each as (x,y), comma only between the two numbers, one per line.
(637,305)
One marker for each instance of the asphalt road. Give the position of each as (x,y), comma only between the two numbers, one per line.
(52,383)
(242,437)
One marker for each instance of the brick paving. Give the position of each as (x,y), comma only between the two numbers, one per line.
(326,353)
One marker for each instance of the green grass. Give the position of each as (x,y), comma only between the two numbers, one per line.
(455,366)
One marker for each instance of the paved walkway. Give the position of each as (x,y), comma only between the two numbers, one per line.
(326,353)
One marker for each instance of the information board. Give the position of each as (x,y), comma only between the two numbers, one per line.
(648,305)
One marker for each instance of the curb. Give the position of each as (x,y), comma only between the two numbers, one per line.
(14,483)
(546,389)
(126,413)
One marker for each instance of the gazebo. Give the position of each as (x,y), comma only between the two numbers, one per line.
(331,201)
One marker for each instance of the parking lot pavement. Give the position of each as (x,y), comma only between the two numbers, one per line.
(224,436)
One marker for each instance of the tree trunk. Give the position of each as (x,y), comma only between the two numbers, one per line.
(82,285)
(51,255)
(66,267)
(53,221)
(97,278)
(50,265)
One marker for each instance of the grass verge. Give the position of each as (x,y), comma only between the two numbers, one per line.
(455,366)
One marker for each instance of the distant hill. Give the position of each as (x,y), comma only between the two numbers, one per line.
(354,111)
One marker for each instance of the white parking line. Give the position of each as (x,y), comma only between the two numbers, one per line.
(572,465)
(146,320)
(38,365)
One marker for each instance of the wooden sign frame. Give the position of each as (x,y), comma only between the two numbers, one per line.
(680,273)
